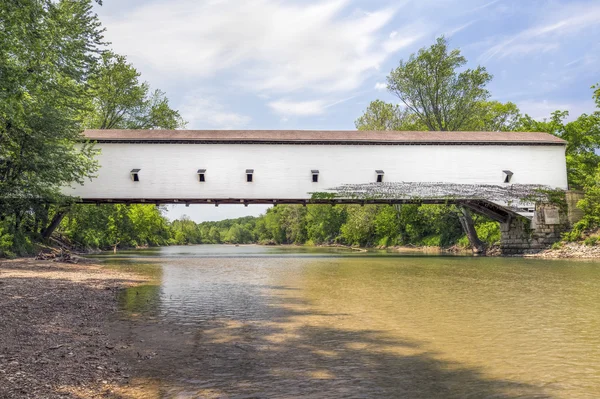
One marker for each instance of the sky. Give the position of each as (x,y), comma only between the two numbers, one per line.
(302,64)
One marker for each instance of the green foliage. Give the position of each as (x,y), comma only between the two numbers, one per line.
(494,116)
(583,141)
(185,231)
(121,226)
(384,116)
(590,204)
(6,243)
(324,223)
(432,89)
(55,79)
(120,101)
(489,232)
(47,50)
(359,228)
(387,226)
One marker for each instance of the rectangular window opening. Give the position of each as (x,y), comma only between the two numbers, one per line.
(135,175)
(201,175)
(315,178)
(249,177)
(380,174)
(507,175)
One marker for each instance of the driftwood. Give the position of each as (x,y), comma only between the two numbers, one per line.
(56,255)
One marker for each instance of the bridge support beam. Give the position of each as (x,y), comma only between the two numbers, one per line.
(520,236)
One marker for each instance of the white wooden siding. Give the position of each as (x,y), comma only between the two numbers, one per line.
(284,171)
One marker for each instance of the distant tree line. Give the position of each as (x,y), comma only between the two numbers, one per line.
(121,226)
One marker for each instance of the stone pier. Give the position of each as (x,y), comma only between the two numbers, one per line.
(521,236)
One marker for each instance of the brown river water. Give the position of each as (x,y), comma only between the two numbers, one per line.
(266,322)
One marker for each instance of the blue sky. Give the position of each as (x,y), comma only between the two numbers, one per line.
(285,64)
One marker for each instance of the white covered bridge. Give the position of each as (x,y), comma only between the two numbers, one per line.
(247,167)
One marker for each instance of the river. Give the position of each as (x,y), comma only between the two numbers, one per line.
(269,322)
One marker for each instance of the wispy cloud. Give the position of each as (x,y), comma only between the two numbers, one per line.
(288,107)
(478,8)
(548,35)
(267,45)
(380,86)
(460,28)
(205,112)
(542,109)
(298,108)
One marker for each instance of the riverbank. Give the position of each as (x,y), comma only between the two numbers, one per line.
(570,250)
(55,334)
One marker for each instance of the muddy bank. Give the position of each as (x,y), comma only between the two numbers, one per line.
(55,332)
(570,250)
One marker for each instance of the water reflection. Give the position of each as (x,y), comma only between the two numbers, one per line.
(272,323)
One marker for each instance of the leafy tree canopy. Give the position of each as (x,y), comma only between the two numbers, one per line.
(47,50)
(121,101)
(431,87)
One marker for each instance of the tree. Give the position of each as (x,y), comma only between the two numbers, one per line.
(47,50)
(590,205)
(494,116)
(120,101)
(445,100)
(583,141)
(430,87)
(324,222)
(385,116)
(359,228)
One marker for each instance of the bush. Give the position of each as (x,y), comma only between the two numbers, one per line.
(6,244)
(489,233)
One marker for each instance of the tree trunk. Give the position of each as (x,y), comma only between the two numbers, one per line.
(469,228)
(58,217)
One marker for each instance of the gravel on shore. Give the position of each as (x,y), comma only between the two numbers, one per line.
(570,250)
(55,320)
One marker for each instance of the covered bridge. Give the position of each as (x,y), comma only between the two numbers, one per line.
(273,166)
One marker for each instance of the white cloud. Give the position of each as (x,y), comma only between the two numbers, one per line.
(543,109)
(380,86)
(204,112)
(458,29)
(289,107)
(484,6)
(548,35)
(298,108)
(267,45)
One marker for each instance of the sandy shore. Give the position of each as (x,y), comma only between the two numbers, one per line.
(56,330)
